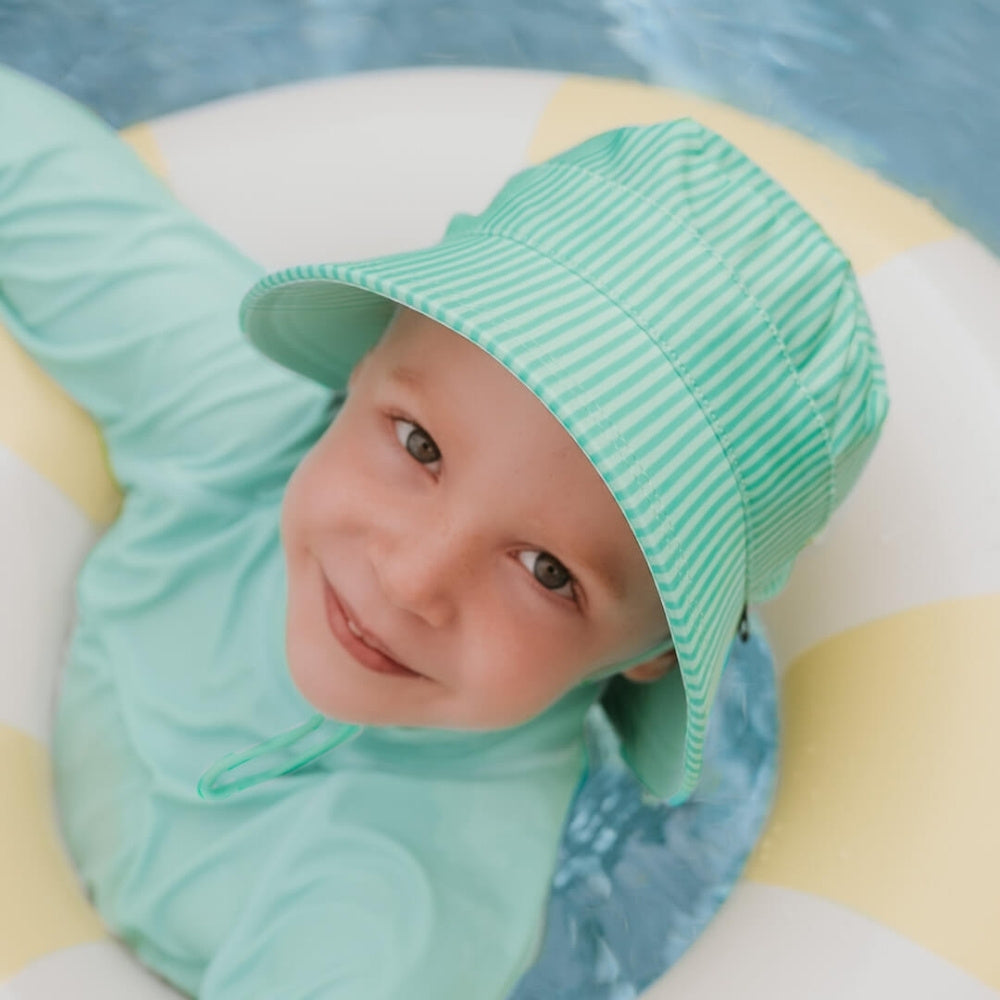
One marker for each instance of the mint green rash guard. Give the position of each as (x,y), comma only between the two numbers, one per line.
(406,863)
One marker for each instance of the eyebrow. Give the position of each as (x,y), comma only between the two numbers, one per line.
(407,376)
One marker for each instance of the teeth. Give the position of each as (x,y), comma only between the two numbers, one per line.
(354,628)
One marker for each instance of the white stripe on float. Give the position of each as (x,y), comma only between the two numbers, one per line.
(102,970)
(921,520)
(310,200)
(44,538)
(770,943)
(969,275)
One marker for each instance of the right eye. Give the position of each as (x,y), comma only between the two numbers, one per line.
(416,441)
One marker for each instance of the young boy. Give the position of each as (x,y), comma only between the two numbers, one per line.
(570,443)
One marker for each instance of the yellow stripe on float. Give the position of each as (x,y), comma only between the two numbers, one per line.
(871,220)
(43,425)
(888,799)
(41,907)
(140,137)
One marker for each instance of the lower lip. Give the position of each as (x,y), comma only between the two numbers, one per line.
(360,651)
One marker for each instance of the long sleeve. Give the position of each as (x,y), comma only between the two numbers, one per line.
(130,303)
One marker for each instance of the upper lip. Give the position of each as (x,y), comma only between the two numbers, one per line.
(369,637)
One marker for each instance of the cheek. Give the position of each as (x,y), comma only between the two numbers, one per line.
(335,491)
(525,667)
(297,502)
(318,478)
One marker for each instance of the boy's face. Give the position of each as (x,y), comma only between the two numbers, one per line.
(448,519)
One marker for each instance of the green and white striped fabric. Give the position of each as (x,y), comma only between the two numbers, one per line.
(692,328)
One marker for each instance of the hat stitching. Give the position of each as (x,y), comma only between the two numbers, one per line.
(788,203)
(649,493)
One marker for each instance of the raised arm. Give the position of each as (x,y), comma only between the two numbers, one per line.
(130,303)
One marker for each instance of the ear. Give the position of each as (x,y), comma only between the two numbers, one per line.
(651,670)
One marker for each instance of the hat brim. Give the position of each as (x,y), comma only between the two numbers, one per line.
(526,310)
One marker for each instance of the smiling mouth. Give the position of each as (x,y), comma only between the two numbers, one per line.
(351,637)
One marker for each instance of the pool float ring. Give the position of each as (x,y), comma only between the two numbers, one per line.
(878,872)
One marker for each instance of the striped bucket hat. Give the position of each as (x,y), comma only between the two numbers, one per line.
(696,333)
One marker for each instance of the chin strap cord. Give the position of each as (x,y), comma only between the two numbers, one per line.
(328,732)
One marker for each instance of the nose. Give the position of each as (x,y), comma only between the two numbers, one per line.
(424,568)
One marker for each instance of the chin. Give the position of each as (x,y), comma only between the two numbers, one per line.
(347,700)
(314,685)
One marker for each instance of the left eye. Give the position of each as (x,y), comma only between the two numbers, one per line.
(548,571)
(417,441)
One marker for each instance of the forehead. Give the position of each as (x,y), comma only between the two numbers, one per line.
(523,459)
(411,334)
(471,390)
